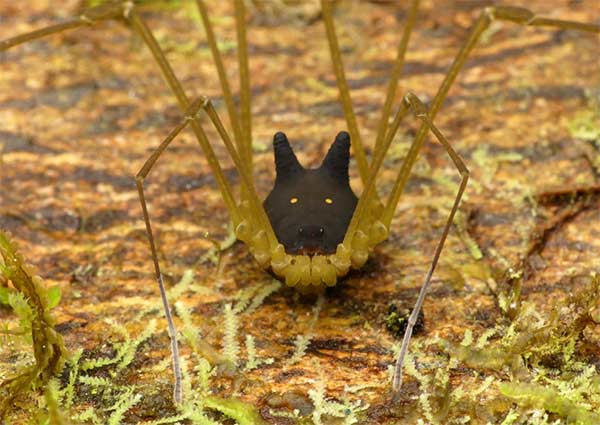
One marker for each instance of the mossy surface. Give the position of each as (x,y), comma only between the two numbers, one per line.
(31,301)
(511,324)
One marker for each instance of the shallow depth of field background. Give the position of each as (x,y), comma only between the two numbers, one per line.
(81,111)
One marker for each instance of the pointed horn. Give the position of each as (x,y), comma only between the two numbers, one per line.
(286,162)
(338,157)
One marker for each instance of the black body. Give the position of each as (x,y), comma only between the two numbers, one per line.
(310,209)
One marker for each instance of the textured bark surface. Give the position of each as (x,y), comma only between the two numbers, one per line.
(81,111)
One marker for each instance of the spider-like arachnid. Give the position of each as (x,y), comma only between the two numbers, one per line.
(294,235)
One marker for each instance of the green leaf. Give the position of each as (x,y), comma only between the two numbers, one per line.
(53,296)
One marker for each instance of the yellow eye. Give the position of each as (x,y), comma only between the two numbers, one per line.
(293,200)
(328,201)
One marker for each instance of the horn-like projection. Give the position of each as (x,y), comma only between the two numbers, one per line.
(338,157)
(286,163)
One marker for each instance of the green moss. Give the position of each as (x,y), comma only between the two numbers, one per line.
(243,413)
(530,366)
(586,125)
(540,397)
(32,303)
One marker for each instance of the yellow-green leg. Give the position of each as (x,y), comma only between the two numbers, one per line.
(125,11)
(396,74)
(365,226)
(139,181)
(420,111)
(514,14)
(517,15)
(338,67)
(223,80)
(255,211)
(257,216)
(336,58)
(246,113)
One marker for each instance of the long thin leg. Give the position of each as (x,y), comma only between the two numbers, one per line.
(338,67)
(514,14)
(369,194)
(240,21)
(518,15)
(242,129)
(382,143)
(88,17)
(139,181)
(396,75)
(420,112)
(126,11)
(143,31)
(257,210)
(225,87)
(410,101)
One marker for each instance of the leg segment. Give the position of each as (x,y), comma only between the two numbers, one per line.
(264,236)
(517,15)
(420,112)
(366,231)
(396,75)
(338,67)
(126,11)
(242,129)
(88,17)
(261,241)
(505,13)
(240,21)
(369,200)
(225,87)
(142,29)
(139,181)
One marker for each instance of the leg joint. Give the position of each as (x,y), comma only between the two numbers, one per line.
(411,100)
(193,110)
(104,12)
(518,15)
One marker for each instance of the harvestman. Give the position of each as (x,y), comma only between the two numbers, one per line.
(305,249)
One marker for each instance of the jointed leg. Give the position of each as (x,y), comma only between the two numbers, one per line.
(338,67)
(360,217)
(361,214)
(225,87)
(364,238)
(125,11)
(518,15)
(336,58)
(420,112)
(142,29)
(258,216)
(242,129)
(255,211)
(240,21)
(139,181)
(390,93)
(88,17)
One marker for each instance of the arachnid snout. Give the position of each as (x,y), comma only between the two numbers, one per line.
(311,231)
(310,209)
(309,240)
